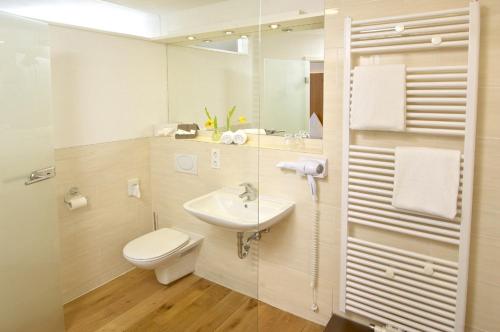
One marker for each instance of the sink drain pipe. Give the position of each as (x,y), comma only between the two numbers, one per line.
(244,244)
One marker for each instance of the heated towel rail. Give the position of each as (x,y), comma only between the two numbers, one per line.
(389,285)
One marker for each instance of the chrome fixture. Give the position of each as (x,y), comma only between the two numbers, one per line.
(244,244)
(251,193)
(41,175)
(71,194)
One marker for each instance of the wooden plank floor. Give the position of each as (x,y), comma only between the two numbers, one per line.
(137,302)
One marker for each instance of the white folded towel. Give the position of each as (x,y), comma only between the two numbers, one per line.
(379,98)
(165,132)
(240,137)
(427,180)
(227,137)
(185,132)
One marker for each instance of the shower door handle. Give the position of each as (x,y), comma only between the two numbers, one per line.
(41,175)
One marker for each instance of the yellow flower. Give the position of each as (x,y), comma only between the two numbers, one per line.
(242,119)
(209,123)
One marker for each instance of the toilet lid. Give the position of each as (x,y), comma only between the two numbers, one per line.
(156,244)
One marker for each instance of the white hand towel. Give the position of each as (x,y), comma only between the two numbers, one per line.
(379,98)
(427,180)
(240,137)
(227,137)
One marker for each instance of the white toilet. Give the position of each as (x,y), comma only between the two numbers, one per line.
(170,252)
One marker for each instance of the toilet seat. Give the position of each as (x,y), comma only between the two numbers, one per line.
(155,245)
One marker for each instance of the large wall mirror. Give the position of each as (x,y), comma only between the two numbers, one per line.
(273,74)
(292,81)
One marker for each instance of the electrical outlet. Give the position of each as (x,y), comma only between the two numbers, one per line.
(215,158)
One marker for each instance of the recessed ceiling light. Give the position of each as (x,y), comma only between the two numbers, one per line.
(228,32)
(331,11)
(287,30)
(191,38)
(274,26)
(207,41)
(244,37)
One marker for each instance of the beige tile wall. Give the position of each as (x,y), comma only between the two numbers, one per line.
(92,237)
(484,272)
(281,273)
(218,260)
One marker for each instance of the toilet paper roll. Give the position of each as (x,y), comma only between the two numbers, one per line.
(77,202)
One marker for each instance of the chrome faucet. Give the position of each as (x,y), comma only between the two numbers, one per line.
(250,193)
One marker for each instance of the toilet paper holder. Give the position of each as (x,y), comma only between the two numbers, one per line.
(72,193)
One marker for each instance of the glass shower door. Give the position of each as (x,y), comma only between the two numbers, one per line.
(29,259)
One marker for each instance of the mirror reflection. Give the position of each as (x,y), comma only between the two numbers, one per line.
(271,81)
(292,82)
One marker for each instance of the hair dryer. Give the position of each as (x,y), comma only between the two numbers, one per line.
(309,168)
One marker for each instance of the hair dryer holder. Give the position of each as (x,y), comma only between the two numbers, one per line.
(300,167)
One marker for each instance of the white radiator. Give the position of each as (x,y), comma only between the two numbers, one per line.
(392,286)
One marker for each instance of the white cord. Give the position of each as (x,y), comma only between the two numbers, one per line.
(315,255)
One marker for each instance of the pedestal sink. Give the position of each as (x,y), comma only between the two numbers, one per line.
(224,208)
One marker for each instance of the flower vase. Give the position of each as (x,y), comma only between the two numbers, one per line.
(216,135)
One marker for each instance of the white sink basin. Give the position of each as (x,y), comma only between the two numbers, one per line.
(226,209)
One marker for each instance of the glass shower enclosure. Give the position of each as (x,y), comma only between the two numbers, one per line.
(29,242)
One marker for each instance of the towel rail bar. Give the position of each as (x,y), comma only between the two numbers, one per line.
(413,32)
(367,260)
(400,254)
(400,304)
(461,93)
(378,318)
(456,11)
(415,289)
(412,39)
(427,100)
(412,320)
(357,282)
(414,23)
(355,287)
(422,317)
(401,223)
(409,47)
(390,212)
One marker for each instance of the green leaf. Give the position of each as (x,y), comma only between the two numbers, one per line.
(215,122)
(231,111)
(208,114)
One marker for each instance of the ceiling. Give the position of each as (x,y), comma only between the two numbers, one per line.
(163,6)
